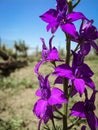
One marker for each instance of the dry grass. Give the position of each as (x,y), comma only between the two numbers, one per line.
(17,103)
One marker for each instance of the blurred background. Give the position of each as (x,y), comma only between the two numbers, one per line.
(20,50)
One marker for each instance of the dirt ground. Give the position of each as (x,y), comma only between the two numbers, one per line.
(18,104)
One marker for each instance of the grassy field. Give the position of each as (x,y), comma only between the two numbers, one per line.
(17,96)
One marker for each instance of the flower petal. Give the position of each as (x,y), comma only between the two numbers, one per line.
(64,71)
(94,45)
(39,125)
(89,82)
(58,80)
(49,16)
(70,29)
(75,16)
(36,69)
(79,85)
(42,104)
(86,71)
(92,98)
(38,92)
(57,97)
(78,59)
(53,55)
(92,120)
(53,26)
(50,42)
(78,110)
(85,47)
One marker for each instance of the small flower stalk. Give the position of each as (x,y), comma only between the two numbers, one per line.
(75,77)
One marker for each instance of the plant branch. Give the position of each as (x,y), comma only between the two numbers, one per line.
(74,123)
(53,124)
(58,111)
(76,48)
(65,81)
(78,1)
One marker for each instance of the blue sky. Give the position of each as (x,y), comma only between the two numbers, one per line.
(19,19)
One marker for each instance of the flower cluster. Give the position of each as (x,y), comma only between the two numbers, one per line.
(49,99)
(76,76)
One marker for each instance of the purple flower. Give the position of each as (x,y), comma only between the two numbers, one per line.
(43,108)
(87,36)
(61,4)
(79,74)
(86,110)
(60,17)
(50,54)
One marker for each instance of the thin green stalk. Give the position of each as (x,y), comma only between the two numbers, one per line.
(65,81)
(60,113)
(78,1)
(77,47)
(53,124)
(67,60)
(70,127)
(65,86)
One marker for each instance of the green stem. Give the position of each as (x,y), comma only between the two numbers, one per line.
(65,81)
(78,1)
(70,127)
(53,124)
(60,113)
(65,87)
(67,49)
(77,47)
